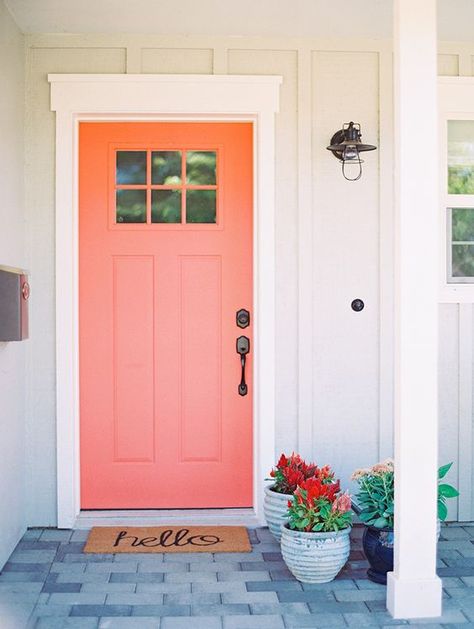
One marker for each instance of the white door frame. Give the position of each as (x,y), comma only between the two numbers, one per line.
(142,97)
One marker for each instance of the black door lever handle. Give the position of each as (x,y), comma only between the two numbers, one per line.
(243,348)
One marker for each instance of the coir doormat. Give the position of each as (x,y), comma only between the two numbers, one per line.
(168,539)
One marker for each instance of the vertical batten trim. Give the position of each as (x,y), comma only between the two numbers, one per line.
(465,63)
(134,59)
(465,411)
(386,255)
(220,60)
(305,256)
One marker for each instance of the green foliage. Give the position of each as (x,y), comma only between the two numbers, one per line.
(318,508)
(375,498)
(376,494)
(444,491)
(460,180)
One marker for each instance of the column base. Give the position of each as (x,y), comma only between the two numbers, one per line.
(414,598)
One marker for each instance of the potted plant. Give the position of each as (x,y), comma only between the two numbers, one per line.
(290,471)
(375,507)
(315,542)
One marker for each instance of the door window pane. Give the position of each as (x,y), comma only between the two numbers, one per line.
(131,167)
(166,206)
(201,206)
(201,168)
(166,168)
(461,156)
(131,206)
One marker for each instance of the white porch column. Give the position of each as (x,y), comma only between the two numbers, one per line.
(414,590)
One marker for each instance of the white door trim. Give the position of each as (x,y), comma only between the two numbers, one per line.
(140,97)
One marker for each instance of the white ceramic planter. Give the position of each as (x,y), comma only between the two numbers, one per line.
(315,557)
(275,506)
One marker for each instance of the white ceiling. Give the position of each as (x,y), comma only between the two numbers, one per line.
(279,18)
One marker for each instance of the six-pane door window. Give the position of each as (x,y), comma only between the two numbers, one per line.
(173,187)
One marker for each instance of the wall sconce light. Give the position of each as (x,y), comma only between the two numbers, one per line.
(346,147)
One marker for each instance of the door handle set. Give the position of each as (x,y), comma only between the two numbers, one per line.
(242,318)
(243,348)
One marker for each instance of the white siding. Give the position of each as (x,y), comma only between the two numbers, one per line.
(346,227)
(12,253)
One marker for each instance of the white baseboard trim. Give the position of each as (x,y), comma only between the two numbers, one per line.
(414,598)
(163,517)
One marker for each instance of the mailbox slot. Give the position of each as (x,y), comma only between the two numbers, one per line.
(14,295)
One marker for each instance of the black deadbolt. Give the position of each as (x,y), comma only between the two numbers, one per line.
(357,305)
(243,318)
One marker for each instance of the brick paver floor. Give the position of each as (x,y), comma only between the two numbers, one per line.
(49,583)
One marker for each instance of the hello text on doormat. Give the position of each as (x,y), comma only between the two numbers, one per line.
(168,539)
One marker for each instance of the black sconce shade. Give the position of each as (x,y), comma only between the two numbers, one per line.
(346,146)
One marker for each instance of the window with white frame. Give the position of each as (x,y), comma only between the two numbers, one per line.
(460,202)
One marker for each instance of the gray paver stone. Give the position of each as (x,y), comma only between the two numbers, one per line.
(204,622)
(135,577)
(129,623)
(79,598)
(209,598)
(101,610)
(133,598)
(164,588)
(219,610)
(219,587)
(161,610)
(253,622)
(67,623)
(249,597)
(56,535)
(361,595)
(315,621)
(272,586)
(243,576)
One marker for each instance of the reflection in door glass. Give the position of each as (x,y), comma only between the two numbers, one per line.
(166,168)
(131,206)
(201,168)
(131,167)
(201,206)
(461,157)
(166,206)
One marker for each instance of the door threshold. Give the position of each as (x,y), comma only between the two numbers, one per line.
(162,517)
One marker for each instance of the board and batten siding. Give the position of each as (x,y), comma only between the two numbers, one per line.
(334,371)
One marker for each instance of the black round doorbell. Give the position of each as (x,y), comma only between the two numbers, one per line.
(357,305)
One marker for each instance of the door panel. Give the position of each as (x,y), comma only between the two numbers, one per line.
(165,262)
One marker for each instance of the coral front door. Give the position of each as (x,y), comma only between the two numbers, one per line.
(165,263)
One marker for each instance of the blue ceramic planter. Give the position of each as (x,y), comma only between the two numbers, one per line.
(378,548)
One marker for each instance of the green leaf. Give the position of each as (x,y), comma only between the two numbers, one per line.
(447,491)
(442,511)
(380,523)
(444,469)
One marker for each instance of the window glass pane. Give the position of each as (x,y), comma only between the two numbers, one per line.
(461,157)
(131,167)
(462,224)
(166,206)
(201,168)
(131,206)
(463,261)
(166,168)
(201,206)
